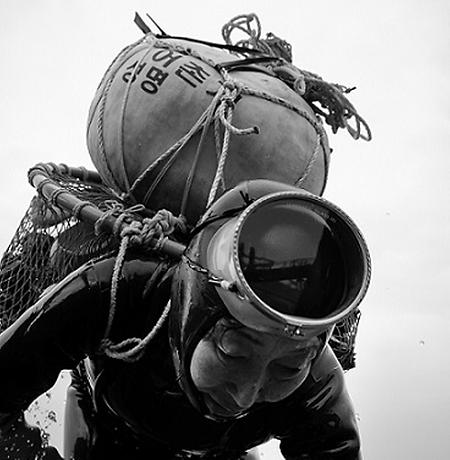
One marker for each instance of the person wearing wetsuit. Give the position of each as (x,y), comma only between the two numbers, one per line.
(216,379)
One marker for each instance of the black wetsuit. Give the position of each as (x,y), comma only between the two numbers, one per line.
(137,410)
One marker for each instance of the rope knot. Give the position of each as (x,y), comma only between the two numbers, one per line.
(228,102)
(132,229)
(231,90)
(230,84)
(150,231)
(110,208)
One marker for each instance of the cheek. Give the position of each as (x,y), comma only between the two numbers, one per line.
(206,369)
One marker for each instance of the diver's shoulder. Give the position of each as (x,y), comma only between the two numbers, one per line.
(133,267)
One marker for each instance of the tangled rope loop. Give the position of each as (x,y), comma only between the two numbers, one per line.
(132,349)
(328,100)
(250,25)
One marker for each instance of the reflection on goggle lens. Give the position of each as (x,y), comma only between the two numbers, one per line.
(292,259)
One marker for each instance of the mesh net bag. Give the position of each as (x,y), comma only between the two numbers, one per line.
(343,339)
(50,242)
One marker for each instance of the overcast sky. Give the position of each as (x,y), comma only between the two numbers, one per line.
(395,187)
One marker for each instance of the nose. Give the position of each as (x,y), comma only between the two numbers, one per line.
(246,394)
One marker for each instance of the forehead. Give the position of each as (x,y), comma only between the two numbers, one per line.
(244,336)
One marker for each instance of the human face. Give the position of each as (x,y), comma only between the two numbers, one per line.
(235,367)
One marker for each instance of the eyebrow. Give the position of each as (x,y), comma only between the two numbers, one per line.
(243,330)
(249,336)
(302,350)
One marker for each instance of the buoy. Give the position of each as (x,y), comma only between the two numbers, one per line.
(175,122)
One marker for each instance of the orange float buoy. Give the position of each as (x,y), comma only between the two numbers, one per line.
(175,122)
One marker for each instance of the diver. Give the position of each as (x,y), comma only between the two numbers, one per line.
(203,358)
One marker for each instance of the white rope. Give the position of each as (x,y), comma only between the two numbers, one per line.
(311,162)
(122,350)
(224,114)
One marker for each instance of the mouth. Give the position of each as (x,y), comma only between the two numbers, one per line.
(217,410)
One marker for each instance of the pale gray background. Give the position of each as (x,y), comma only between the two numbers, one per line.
(395,187)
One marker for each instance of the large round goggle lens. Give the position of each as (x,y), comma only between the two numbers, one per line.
(294,256)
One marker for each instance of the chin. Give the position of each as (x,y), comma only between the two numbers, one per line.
(220,413)
(224,418)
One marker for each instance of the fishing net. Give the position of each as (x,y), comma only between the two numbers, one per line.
(50,242)
(343,339)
